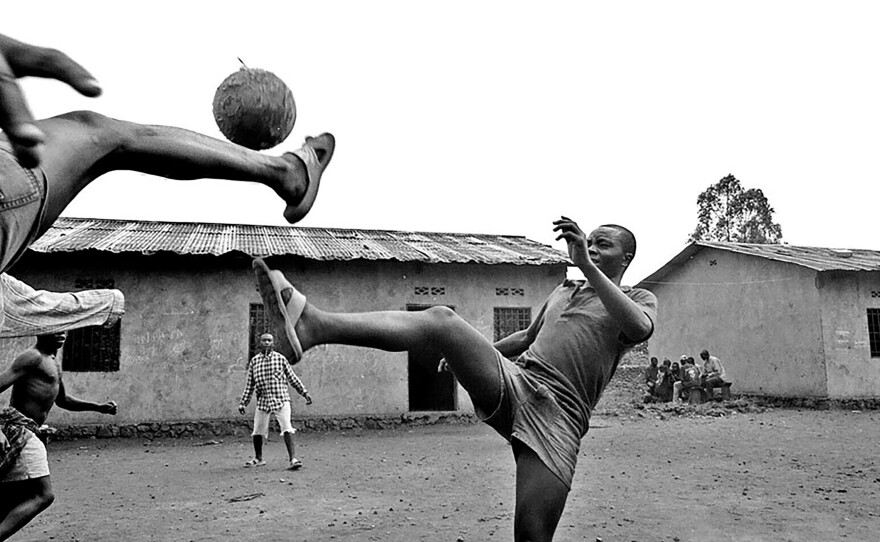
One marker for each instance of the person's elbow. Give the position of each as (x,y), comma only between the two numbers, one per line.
(640,329)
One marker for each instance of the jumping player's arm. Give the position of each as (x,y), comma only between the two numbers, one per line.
(634,323)
(518,342)
(69,402)
(18,60)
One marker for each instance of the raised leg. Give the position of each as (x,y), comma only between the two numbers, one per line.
(82,145)
(27,499)
(470,356)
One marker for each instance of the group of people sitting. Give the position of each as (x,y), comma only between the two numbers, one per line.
(673,380)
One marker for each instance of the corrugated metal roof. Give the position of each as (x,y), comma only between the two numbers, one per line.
(815,258)
(75,234)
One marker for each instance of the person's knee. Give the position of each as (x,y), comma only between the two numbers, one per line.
(442,317)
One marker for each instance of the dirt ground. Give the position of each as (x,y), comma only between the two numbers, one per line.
(722,473)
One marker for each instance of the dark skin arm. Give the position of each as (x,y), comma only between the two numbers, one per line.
(19,60)
(634,323)
(68,402)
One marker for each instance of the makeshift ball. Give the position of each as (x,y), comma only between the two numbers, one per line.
(254,108)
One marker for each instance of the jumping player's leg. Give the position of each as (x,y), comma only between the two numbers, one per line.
(80,146)
(540,497)
(470,356)
(22,502)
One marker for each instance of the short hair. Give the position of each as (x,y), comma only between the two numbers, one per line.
(654,358)
(627,238)
(704,352)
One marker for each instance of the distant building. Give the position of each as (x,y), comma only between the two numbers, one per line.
(786,321)
(193,312)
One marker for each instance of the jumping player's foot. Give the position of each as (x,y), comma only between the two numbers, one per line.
(284,305)
(309,163)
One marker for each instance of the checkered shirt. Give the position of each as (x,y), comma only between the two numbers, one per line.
(269,376)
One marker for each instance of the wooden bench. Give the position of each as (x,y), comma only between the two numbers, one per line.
(696,396)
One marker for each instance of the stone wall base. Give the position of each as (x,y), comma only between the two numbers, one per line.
(242,426)
(814,403)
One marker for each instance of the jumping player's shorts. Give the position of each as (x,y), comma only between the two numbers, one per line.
(22,202)
(529,413)
(31,463)
(25,312)
(261,420)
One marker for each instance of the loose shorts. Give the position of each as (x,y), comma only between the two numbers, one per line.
(32,462)
(22,202)
(26,312)
(261,420)
(528,412)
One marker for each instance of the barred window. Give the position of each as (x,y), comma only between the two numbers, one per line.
(92,349)
(258,324)
(509,320)
(874,332)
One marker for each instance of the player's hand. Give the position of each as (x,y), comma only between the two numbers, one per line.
(109,408)
(18,60)
(576,240)
(443,366)
(308,399)
(241,410)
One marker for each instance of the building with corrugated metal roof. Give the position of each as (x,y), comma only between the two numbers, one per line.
(786,321)
(193,312)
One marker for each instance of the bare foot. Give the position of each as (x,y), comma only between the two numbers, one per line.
(308,164)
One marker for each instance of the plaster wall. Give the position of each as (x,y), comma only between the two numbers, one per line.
(852,372)
(760,317)
(184,337)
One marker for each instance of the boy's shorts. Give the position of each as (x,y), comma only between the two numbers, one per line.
(31,463)
(528,412)
(261,420)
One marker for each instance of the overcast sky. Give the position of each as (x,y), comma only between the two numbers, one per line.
(497,117)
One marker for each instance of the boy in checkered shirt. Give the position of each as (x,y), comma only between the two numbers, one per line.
(269,374)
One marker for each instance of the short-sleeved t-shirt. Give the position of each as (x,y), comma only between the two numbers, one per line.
(579,344)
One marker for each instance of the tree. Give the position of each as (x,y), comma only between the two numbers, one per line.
(729,213)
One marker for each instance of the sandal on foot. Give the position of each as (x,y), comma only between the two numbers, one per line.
(295,464)
(283,315)
(255,463)
(314,170)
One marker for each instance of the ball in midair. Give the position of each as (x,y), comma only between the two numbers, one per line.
(254,108)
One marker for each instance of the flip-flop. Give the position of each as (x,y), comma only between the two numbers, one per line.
(255,463)
(295,464)
(314,170)
(283,316)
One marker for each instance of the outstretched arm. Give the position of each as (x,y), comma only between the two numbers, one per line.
(18,60)
(297,384)
(634,323)
(69,402)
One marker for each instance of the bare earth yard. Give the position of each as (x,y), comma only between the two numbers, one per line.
(644,474)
